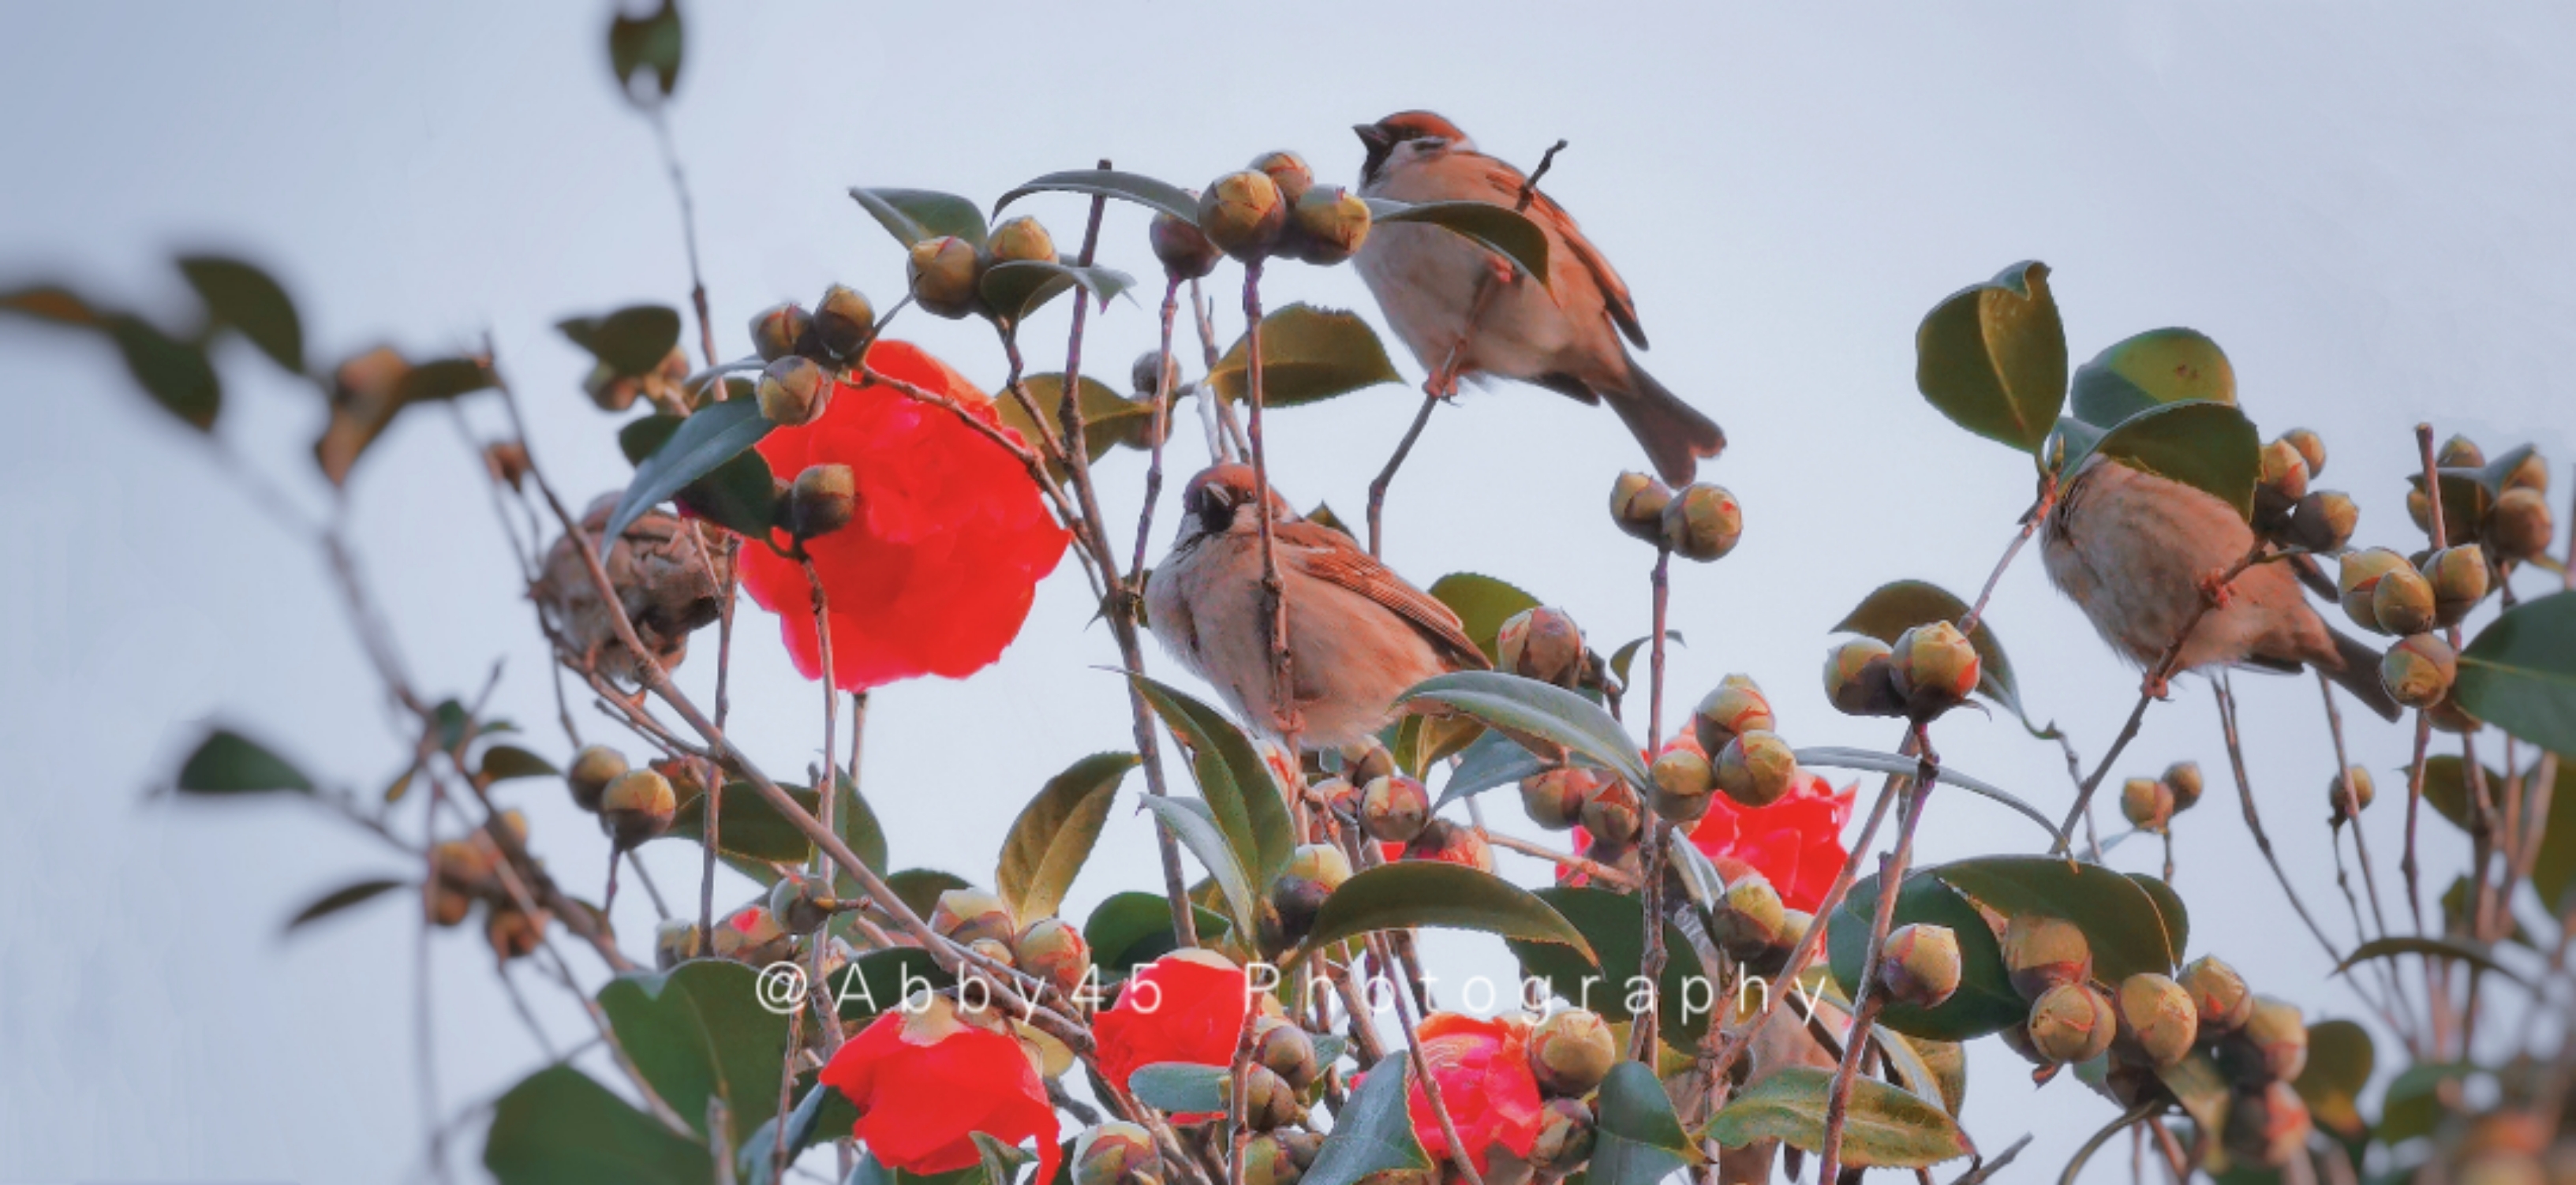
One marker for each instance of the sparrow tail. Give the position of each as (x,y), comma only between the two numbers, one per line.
(2359,674)
(1674,433)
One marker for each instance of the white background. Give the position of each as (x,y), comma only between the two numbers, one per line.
(2367,205)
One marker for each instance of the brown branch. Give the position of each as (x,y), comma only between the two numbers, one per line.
(1867,997)
(1274,588)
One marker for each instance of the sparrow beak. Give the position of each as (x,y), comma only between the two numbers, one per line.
(1373,136)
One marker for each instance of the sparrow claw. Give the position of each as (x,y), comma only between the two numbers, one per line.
(2156,687)
(2217,588)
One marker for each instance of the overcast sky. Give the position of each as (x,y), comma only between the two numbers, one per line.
(2366,205)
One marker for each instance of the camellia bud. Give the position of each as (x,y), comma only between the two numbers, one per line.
(1737,706)
(2147,803)
(1683,780)
(2459,579)
(1394,808)
(2183,778)
(1020,239)
(1637,504)
(1285,1049)
(1268,1101)
(1919,965)
(2359,581)
(2356,780)
(513,934)
(1554,799)
(2401,602)
(2518,525)
(2072,1022)
(1860,678)
(1612,813)
(794,391)
(592,770)
(2045,953)
(2157,1017)
(943,273)
(801,904)
(2323,521)
(2418,670)
(2269,1126)
(2272,1047)
(1564,1140)
(749,935)
(824,499)
(443,905)
(1244,214)
(1331,223)
(676,941)
(776,330)
(1185,252)
(1757,769)
(2219,993)
(1935,668)
(2530,473)
(468,866)
(637,806)
(966,915)
(1368,762)
(2459,452)
(1313,872)
(1116,1153)
(2285,470)
(1287,170)
(1750,918)
(1703,523)
(1541,643)
(1053,950)
(1571,1051)
(2448,716)
(1151,368)
(2312,449)
(1448,843)
(844,321)
(1793,928)
(1267,1160)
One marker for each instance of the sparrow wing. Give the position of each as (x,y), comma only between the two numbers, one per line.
(1330,555)
(1559,225)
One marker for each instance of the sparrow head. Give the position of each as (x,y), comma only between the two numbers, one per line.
(1405,137)
(1210,502)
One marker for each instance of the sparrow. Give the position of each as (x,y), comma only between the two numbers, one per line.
(1564,335)
(2137,553)
(1358,635)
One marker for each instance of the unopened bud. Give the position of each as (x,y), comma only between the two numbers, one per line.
(2459,452)
(844,321)
(1448,843)
(2219,994)
(1330,224)
(1287,170)
(1554,799)
(637,806)
(824,499)
(1757,769)
(443,905)
(1919,965)
(1541,643)
(2072,1022)
(2459,579)
(1750,918)
(801,904)
(2285,470)
(2312,449)
(943,272)
(2324,521)
(1152,371)
(1860,678)
(592,770)
(676,941)
(1394,808)
(1368,762)
(1244,214)
(2359,578)
(2448,716)
(966,915)
(1116,1153)
(2348,792)
(1703,523)
(776,330)
(2272,1047)
(1053,950)
(1683,781)
(513,934)
(2401,602)
(1737,706)
(1267,1160)
(1935,668)
(1184,251)
(1268,1100)
(2157,1017)
(2147,803)
(2518,525)
(1612,813)
(1565,1131)
(749,935)
(1571,1051)
(794,391)
(1637,504)
(2183,778)
(994,950)
(2418,670)
(1313,872)
(1285,1049)
(2044,953)
(2268,1126)
(1020,239)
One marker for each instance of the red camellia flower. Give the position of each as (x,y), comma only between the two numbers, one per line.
(935,574)
(924,1082)
(1187,1006)
(1482,1067)
(1795,843)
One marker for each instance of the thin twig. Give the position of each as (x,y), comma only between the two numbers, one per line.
(1867,997)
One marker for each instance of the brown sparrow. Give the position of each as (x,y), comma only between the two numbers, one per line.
(1358,635)
(2137,552)
(1563,336)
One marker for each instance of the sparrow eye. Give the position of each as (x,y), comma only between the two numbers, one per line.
(1214,513)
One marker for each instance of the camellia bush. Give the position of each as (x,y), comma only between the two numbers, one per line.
(1720,980)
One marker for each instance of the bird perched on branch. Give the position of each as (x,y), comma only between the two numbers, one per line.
(2139,553)
(1358,635)
(1563,335)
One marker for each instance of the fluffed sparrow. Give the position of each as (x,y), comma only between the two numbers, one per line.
(2134,550)
(1563,336)
(1358,635)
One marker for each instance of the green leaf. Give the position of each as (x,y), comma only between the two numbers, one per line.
(632,341)
(1992,357)
(443,378)
(651,42)
(54,304)
(2519,673)
(2412,1105)
(1636,1139)
(911,215)
(1130,930)
(1180,1087)
(1615,925)
(919,888)
(1158,196)
(1001,1162)
(821,1115)
(2209,446)
(1419,742)
(1014,289)
(227,762)
(1055,831)
(1889,763)
(700,445)
(1190,821)
(1984,1002)
(1482,604)
(749,828)
(1237,784)
(1886,1128)
(878,981)
(2150,370)
(1373,1133)
(1307,355)
(2340,1059)
(1491,760)
(174,373)
(1895,607)
(559,1127)
(1527,709)
(1429,893)
(2197,1084)
(342,898)
(2474,954)
(245,298)
(1500,229)
(503,762)
(2169,907)
(2125,926)
(1621,659)
(1109,419)
(699,1031)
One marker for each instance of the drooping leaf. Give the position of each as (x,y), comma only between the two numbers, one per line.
(1626,655)
(2475,954)
(1636,1140)
(1307,355)
(2340,1059)
(1158,196)
(2211,447)
(558,1125)
(1886,1127)
(1016,288)
(1110,420)
(342,898)
(2124,925)
(1237,784)
(749,828)
(1834,757)
(1491,760)
(1615,925)
(739,494)
(2148,370)
(227,762)
(1500,229)
(919,888)
(632,341)
(911,215)
(1129,930)
(1430,893)
(1054,833)
(1984,1002)
(1191,822)
(246,299)
(2519,673)
(1373,1133)
(1482,604)
(1180,1087)
(176,374)
(879,982)
(702,443)
(2412,1105)
(2200,1087)
(503,762)
(651,42)
(1001,1162)
(700,1031)
(1992,357)
(1527,710)
(1897,606)
(2169,907)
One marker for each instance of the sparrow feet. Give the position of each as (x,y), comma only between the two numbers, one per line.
(2217,588)
(2155,686)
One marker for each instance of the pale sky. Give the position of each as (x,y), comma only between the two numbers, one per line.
(2364,204)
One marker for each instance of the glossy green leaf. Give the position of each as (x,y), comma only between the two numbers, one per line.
(1895,607)
(2340,1059)
(1180,1087)
(1246,800)
(1016,288)
(1500,229)
(1052,837)
(1191,822)
(632,341)
(174,373)
(750,829)
(1886,1127)
(2169,907)
(342,898)
(2149,370)
(2412,1105)
(2209,446)
(1129,930)
(2124,925)
(560,1127)
(1430,893)
(695,449)
(919,888)
(227,762)
(1491,760)
(652,42)
(503,762)
(879,981)
(1528,710)
(1307,355)
(2519,673)
(699,1031)
(2554,872)
(1160,197)
(1110,420)
(1636,1139)
(1992,357)
(911,215)
(443,378)
(1482,604)
(1626,655)
(247,299)
(2475,954)
(1001,1162)
(1835,757)
(1615,926)
(1984,1002)
(1420,742)
(1373,1133)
